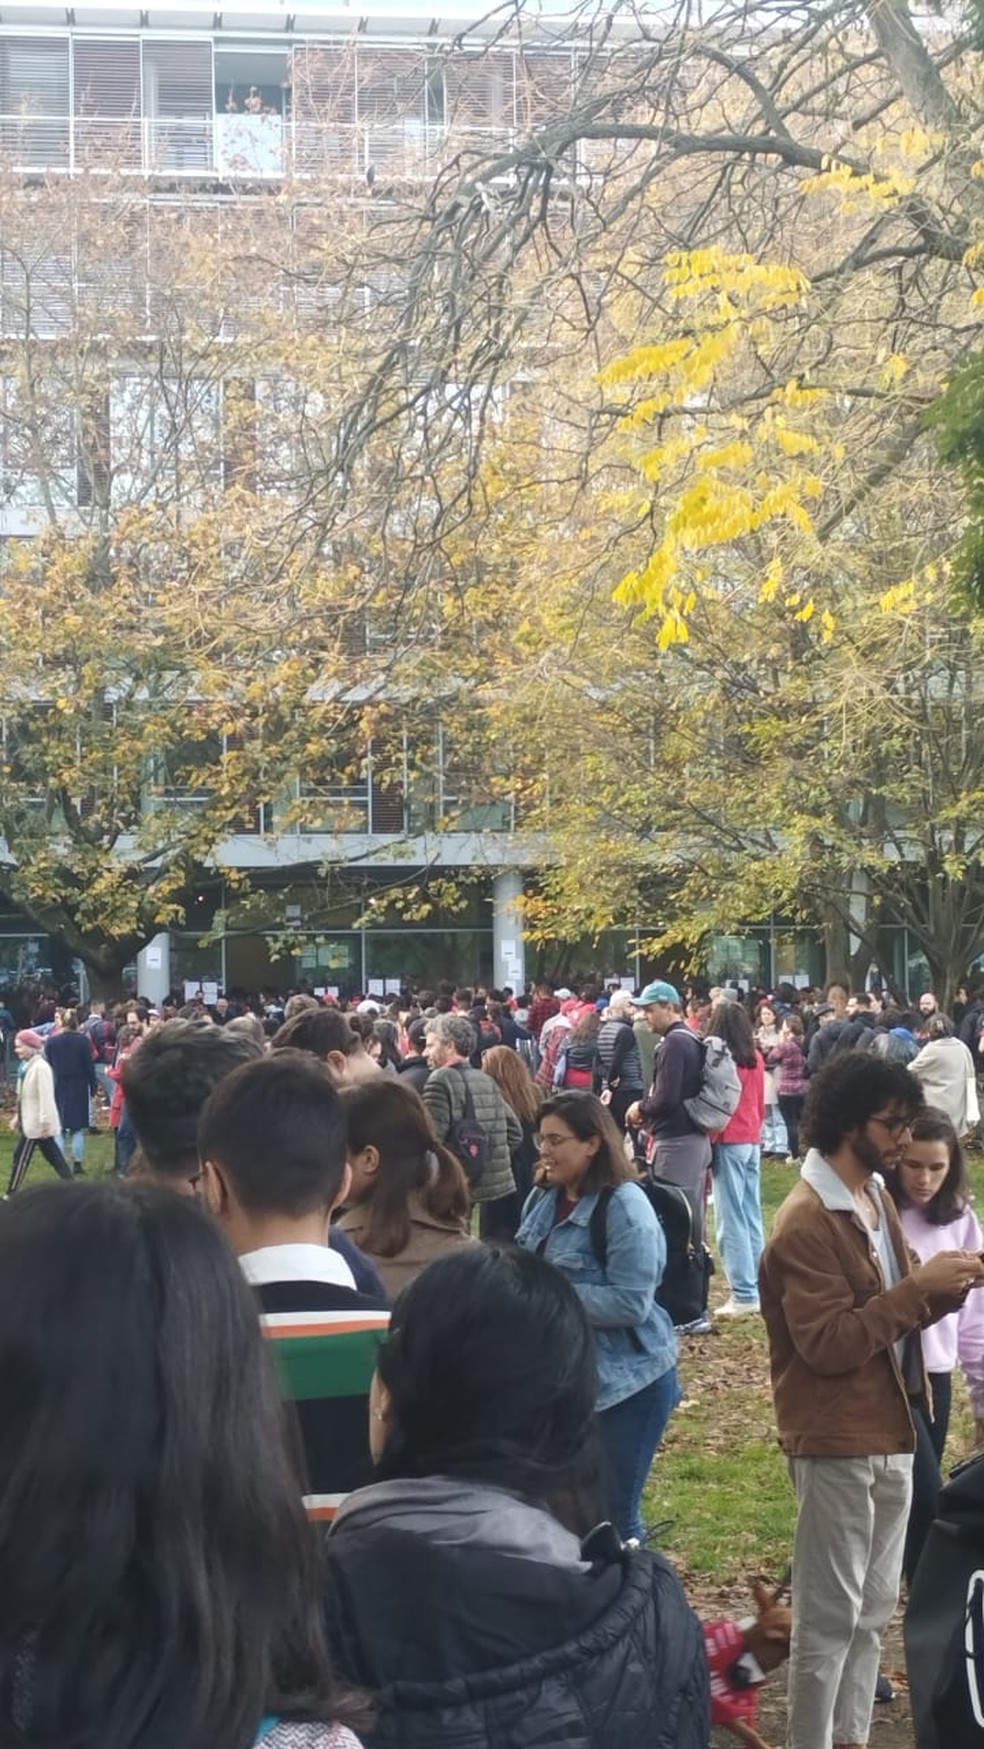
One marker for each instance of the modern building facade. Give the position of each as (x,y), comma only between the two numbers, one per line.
(201,108)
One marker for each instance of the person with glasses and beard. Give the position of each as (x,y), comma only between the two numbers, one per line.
(843,1307)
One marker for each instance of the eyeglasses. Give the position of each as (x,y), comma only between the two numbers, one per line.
(553,1142)
(896,1126)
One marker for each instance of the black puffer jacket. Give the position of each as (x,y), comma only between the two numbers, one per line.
(618,1053)
(472,1617)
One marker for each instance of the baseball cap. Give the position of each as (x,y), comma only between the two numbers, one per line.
(563,994)
(658,992)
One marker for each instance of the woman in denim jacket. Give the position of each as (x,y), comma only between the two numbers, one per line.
(582,1154)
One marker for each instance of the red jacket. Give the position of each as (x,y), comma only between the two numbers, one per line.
(745,1123)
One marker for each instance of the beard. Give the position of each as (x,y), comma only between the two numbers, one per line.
(867,1154)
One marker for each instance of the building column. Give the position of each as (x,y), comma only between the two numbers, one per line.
(154,969)
(508,946)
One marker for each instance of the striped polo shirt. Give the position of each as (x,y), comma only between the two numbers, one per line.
(326,1337)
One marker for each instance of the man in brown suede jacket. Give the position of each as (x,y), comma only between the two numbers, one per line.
(843,1302)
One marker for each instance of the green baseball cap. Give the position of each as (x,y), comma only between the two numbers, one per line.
(657,992)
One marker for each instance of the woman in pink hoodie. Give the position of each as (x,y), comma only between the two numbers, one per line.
(932,1193)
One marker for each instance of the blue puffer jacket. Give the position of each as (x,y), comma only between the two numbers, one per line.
(634,1338)
(473,1621)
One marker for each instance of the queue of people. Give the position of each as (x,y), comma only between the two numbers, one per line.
(466,1593)
(485,1576)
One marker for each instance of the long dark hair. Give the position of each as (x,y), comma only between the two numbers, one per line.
(586,1116)
(730,1022)
(490,1368)
(157,1573)
(954,1192)
(387,1037)
(390,1115)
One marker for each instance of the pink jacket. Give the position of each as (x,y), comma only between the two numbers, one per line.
(960,1335)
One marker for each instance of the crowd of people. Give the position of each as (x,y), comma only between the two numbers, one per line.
(329,1412)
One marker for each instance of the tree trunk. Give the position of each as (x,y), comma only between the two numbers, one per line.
(836,946)
(104,983)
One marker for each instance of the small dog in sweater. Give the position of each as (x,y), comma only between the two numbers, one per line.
(742,1655)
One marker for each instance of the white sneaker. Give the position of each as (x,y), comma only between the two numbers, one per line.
(733,1308)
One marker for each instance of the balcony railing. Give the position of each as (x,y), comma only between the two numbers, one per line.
(234,147)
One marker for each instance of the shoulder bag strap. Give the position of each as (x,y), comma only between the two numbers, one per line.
(469,1111)
(598,1224)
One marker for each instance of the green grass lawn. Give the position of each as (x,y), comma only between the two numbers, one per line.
(98,1157)
(719,1484)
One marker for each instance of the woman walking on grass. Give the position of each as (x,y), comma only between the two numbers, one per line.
(36,1117)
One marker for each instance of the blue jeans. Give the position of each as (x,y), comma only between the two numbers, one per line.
(774,1137)
(125,1146)
(630,1434)
(738,1215)
(77,1139)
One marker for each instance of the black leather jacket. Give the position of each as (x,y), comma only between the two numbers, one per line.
(470,1646)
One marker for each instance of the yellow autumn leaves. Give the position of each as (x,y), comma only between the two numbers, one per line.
(729,474)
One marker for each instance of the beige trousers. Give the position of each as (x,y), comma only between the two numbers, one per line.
(847,1562)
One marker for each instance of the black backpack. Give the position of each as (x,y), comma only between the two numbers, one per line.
(467,1139)
(682,1292)
(944,1622)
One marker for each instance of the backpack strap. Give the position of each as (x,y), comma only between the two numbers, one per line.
(469,1111)
(598,1224)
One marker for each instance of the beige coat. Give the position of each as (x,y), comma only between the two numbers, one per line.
(429,1238)
(37,1113)
(944,1069)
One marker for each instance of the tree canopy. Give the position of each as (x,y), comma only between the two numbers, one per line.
(606,436)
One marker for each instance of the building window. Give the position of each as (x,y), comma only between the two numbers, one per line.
(34,101)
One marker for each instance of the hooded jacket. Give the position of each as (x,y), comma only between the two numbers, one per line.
(474,1619)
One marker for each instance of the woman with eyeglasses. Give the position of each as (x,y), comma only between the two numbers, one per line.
(592,1220)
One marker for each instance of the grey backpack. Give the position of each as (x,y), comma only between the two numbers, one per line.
(716,1100)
